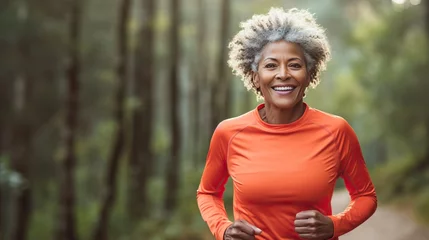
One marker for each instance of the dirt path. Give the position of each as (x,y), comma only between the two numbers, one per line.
(385,224)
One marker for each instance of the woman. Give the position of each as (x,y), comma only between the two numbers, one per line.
(284,157)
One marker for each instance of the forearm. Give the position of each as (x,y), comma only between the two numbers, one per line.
(358,182)
(357,212)
(213,212)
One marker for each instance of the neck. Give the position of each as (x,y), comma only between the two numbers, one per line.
(274,115)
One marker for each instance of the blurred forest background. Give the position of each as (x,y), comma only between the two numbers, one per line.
(107,107)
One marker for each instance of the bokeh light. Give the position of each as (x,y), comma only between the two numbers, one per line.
(415,2)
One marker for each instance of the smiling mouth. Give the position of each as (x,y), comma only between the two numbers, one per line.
(284,89)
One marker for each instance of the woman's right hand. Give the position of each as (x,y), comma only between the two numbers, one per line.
(241,230)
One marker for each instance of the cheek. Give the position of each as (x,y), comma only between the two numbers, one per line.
(265,79)
(303,79)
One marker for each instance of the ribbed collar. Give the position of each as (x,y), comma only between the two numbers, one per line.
(280,127)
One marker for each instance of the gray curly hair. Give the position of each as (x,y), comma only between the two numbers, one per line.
(296,26)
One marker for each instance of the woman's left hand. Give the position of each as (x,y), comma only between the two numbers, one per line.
(314,225)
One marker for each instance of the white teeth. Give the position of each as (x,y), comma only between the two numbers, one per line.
(288,88)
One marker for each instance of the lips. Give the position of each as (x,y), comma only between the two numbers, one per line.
(287,88)
(284,88)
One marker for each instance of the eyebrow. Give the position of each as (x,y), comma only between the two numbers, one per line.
(275,59)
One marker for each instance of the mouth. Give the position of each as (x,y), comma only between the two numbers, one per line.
(283,89)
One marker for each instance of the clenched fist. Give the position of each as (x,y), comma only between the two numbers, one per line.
(241,230)
(314,225)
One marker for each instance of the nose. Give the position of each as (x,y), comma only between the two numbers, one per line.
(283,73)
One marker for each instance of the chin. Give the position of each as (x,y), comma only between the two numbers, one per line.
(285,104)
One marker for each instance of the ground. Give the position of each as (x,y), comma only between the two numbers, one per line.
(387,223)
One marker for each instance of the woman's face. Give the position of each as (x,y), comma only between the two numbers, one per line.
(282,74)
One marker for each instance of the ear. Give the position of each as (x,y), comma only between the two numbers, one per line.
(255,79)
(308,80)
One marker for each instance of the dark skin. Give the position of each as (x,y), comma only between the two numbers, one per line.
(312,224)
(241,230)
(283,64)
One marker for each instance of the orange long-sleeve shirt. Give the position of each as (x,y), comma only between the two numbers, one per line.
(280,170)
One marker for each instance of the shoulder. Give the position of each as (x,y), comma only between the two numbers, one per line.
(343,133)
(334,123)
(230,126)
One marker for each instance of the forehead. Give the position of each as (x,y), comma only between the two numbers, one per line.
(282,49)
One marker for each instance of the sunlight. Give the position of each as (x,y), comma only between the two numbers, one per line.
(398,1)
(415,2)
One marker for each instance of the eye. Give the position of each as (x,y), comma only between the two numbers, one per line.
(270,65)
(295,65)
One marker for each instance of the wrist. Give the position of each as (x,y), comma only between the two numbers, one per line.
(331,226)
(225,234)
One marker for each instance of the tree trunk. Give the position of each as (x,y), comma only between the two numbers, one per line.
(221,90)
(426,15)
(426,7)
(5,121)
(20,156)
(197,86)
(109,195)
(21,146)
(141,157)
(67,225)
(173,167)
(1,212)
(6,105)
(425,161)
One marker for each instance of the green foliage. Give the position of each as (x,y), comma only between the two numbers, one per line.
(376,80)
(394,71)
(43,222)
(389,67)
(422,203)
(8,177)
(395,184)
(388,176)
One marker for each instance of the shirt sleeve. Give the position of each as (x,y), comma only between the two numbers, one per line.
(357,181)
(212,185)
